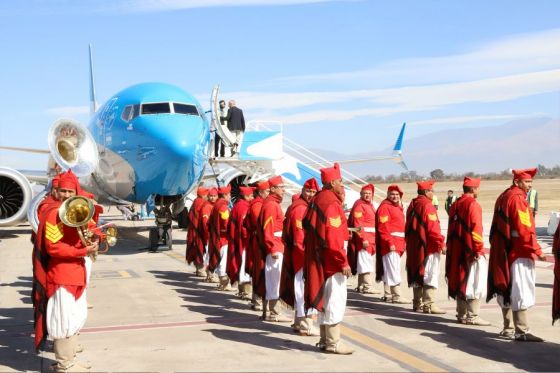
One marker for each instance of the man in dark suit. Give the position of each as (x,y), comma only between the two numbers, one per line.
(235,123)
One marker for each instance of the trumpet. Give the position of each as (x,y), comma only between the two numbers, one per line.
(77,212)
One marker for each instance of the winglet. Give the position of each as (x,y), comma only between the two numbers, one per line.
(92,102)
(398,145)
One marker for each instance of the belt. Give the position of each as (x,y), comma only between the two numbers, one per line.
(369,229)
(397,234)
(278,234)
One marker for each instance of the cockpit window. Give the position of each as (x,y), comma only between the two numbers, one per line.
(130,112)
(156,108)
(185,109)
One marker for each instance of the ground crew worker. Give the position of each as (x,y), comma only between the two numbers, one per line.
(237,246)
(513,250)
(424,245)
(293,237)
(466,268)
(361,247)
(390,244)
(556,286)
(66,280)
(218,237)
(193,255)
(203,233)
(255,260)
(270,224)
(326,263)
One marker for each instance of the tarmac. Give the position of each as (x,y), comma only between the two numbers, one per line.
(150,313)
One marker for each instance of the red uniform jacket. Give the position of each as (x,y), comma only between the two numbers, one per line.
(193,253)
(238,238)
(203,234)
(556,288)
(294,253)
(254,258)
(423,237)
(270,224)
(362,215)
(218,232)
(389,231)
(326,229)
(464,243)
(512,236)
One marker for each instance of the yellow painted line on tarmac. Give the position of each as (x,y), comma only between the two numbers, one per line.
(175,255)
(124,274)
(394,353)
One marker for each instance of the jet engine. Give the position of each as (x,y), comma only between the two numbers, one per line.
(15,197)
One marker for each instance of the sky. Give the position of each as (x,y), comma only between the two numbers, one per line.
(339,75)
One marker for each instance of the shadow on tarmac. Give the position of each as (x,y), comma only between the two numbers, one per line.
(220,308)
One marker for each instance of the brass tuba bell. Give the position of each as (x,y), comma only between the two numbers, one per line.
(77,212)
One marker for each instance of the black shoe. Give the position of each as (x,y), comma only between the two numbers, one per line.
(528,337)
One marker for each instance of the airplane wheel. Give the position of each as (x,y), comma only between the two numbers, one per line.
(183,219)
(154,239)
(167,236)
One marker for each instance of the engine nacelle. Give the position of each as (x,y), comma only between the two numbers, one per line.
(15,197)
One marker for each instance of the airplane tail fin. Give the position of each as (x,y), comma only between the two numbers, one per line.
(397,150)
(92,102)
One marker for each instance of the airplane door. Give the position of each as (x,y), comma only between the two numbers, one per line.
(227,137)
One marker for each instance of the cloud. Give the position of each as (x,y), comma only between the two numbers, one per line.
(68,111)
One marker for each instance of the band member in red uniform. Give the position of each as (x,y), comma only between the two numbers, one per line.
(424,245)
(193,254)
(466,268)
(513,250)
(390,244)
(203,234)
(66,279)
(556,287)
(269,225)
(254,265)
(237,246)
(218,241)
(326,264)
(294,258)
(361,247)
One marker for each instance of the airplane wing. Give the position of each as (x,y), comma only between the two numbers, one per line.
(26,150)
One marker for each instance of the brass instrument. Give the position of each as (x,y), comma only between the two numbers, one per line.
(77,212)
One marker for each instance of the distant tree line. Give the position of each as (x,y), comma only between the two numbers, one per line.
(440,175)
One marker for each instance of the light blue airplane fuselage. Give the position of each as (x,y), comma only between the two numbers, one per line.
(144,151)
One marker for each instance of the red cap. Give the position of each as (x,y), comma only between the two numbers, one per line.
(68,180)
(275,181)
(213,192)
(393,187)
(368,187)
(296,196)
(201,191)
(246,191)
(472,182)
(224,190)
(330,173)
(263,185)
(55,181)
(525,174)
(311,184)
(425,185)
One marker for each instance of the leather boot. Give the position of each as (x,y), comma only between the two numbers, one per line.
(224,284)
(367,287)
(334,343)
(246,288)
(64,355)
(473,307)
(417,305)
(387,296)
(307,328)
(210,277)
(428,297)
(396,295)
(256,303)
(461,311)
(200,271)
(522,328)
(77,349)
(322,344)
(360,283)
(275,312)
(507,332)
(298,324)
(265,309)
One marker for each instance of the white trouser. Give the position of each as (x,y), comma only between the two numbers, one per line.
(272,271)
(299,300)
(334,300)
(88,263)
(523,277)
(431,270)
(391,268)
(477,280)
(65,314)
(223,261)
(206,257)
(238,135)
(365,262)
(243,276)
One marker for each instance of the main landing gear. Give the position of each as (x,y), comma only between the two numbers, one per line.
(161,237)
